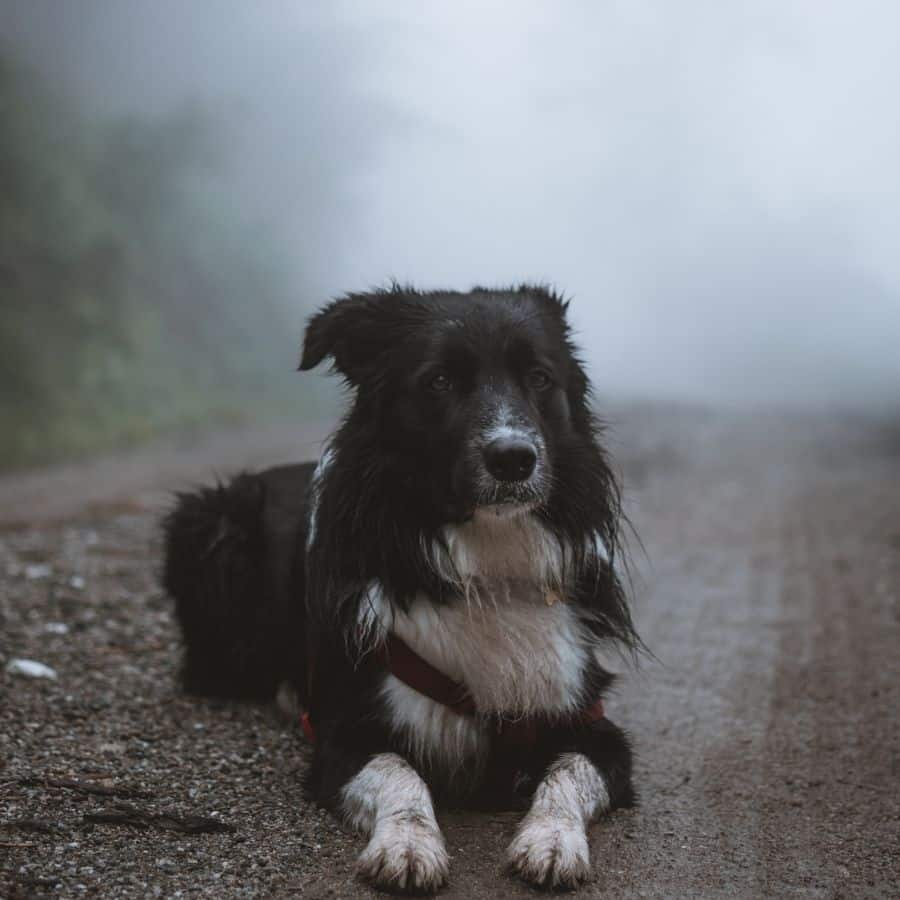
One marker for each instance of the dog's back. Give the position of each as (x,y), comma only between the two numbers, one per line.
(233,567)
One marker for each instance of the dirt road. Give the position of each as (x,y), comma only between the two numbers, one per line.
(767,727)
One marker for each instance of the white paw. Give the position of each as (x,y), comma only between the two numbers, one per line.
(550,852)
(405,853)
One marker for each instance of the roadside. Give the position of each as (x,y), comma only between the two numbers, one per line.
(767,727)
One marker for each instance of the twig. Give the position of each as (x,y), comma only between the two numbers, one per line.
(16,844)
(136,818)
(33,825)
(87,787)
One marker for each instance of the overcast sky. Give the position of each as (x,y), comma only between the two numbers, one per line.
(716,184)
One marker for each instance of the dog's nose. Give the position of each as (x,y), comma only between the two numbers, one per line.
(510,459)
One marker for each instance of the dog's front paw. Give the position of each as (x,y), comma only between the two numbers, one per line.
(405,853)
(550,852)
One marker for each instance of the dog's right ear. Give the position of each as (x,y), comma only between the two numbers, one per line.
(348,331)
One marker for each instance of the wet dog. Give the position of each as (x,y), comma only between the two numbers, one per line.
(440,590)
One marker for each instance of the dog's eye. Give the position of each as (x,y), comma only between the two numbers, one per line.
(539,379)
(440,383)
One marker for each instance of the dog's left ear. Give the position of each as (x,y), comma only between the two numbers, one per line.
(348,331)
(548,298)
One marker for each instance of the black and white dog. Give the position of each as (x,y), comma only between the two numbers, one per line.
(440,590)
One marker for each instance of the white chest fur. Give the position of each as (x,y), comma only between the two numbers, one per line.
(515,653)
(515,656)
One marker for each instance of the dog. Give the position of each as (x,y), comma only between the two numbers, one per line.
(441,590)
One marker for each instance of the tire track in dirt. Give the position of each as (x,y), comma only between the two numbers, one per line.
(712,534)
(832,813)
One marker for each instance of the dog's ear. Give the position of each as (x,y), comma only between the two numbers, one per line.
(548,298)
(350,330)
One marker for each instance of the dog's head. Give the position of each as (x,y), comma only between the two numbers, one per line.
(472,397)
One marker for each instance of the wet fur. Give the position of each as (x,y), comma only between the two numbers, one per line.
(294,574)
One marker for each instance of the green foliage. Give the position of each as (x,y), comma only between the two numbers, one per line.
(132,298)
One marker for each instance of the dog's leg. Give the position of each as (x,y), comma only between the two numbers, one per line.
(388,801)
(550,848)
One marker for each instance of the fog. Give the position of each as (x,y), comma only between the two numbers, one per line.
(715,185)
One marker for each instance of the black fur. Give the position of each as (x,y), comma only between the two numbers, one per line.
(251,597)
(232,565)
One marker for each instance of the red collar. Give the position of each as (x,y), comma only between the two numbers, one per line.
(406,665)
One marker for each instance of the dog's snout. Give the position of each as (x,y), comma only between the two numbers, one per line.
(510,459)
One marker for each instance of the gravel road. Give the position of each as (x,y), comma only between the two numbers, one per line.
(767,723)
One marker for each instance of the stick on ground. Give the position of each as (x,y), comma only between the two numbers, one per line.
(136,818)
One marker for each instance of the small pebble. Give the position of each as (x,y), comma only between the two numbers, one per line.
(30,668)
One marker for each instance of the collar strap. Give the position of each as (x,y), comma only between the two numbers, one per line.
(406,665)
(398,658)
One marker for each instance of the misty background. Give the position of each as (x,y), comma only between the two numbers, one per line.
(715,185)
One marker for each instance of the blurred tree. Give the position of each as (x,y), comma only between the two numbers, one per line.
(132,297)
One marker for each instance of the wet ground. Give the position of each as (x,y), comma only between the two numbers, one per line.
(767,726)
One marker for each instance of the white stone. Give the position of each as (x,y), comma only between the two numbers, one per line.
(30,668)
